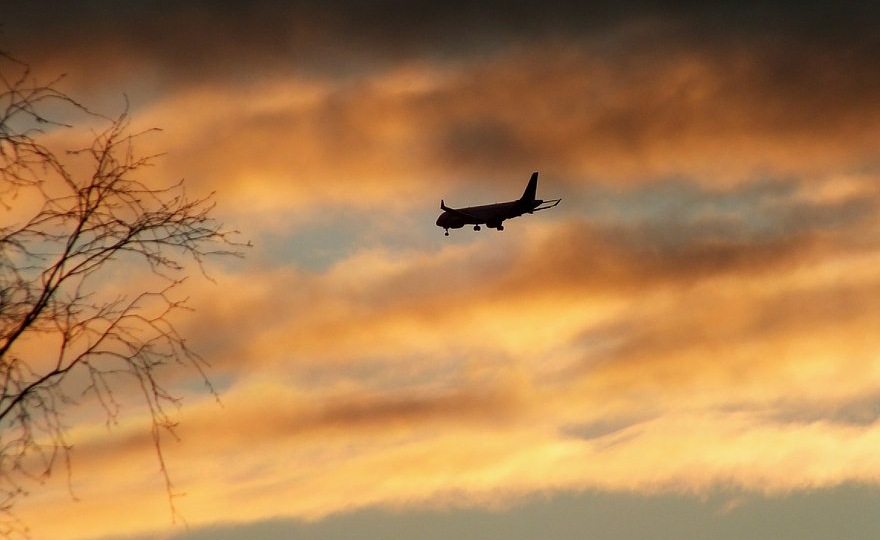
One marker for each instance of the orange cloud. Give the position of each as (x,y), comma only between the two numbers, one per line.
(611,354)
(718,116)
(699,311)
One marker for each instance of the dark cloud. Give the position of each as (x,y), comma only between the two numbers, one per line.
(395,411)
(733,110)
(369,315)
(855,411)
(194,40)
(201,39)
(575,117)
(608,432)
(703,323)
(345,415)
(680,233)
(606,92)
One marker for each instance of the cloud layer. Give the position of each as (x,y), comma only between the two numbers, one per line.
(698,312)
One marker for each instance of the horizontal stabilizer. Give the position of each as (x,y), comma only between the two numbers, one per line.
(547,204)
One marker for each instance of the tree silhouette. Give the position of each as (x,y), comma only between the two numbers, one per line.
(66,335)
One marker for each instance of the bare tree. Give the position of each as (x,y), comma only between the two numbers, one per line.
(64,339)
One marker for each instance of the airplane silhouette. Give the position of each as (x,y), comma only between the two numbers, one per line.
(493,215)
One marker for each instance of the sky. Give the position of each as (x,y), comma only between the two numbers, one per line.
(686,347)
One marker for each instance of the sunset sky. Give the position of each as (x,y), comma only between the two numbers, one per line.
(686,347)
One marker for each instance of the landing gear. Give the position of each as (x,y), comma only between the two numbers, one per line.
(476,227)
(500,227)
(446,233)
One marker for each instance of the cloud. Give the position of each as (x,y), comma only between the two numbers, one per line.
(671,338)
(212,35)
(308,458)
(391,303)
(383,140)
(631,97)
(744,380)
(698,311)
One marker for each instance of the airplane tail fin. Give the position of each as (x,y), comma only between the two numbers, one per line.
(532,189)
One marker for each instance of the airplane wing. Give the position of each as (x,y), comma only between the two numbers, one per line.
(460,213)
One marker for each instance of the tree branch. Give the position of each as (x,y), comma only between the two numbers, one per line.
(54,265)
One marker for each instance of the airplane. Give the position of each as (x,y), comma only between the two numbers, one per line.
(493,215)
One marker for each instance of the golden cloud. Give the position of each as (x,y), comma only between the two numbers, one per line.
(720,117)
(726,337)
